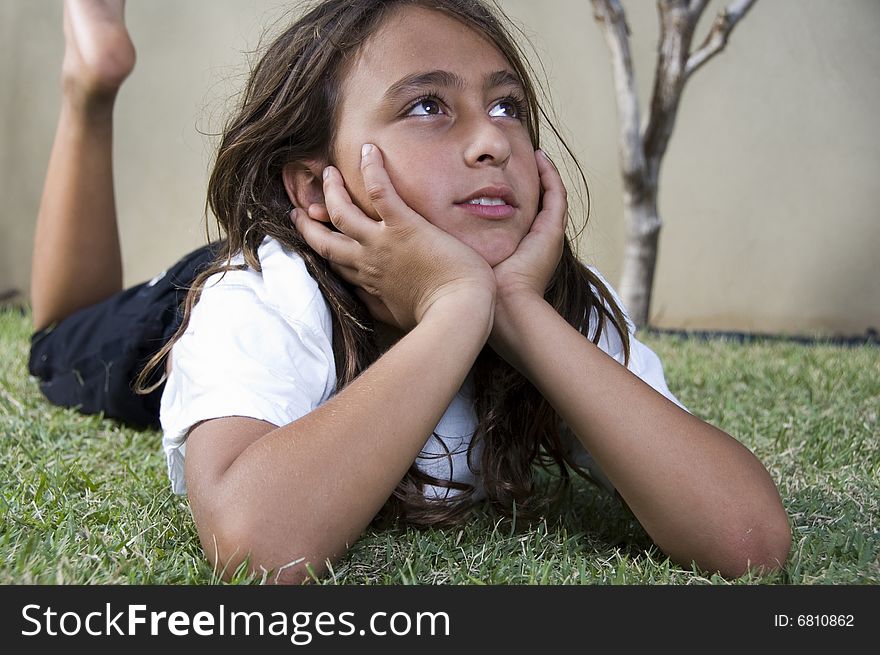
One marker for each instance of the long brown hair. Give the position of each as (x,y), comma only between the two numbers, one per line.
(287,115)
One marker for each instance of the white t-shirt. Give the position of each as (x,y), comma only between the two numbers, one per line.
(259,344)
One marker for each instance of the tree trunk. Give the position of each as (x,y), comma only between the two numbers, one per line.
(642,148)
(640,255)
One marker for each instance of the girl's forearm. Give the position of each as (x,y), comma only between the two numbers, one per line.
(700,494)
(308,489)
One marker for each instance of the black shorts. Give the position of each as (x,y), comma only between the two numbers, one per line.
(90,359)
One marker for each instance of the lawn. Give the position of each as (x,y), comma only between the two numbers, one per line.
(87,501)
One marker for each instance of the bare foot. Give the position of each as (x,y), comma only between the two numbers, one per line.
(98,53)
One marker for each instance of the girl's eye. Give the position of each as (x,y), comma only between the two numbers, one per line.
(506,109)
(426,107)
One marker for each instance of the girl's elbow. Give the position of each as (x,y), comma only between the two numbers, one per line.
(778,544)
(761,548)
(238,541)
(758,538)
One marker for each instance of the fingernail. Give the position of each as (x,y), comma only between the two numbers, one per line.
(326,172)
(366,149)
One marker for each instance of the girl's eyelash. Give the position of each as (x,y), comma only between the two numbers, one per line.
(518,101)
(431,95)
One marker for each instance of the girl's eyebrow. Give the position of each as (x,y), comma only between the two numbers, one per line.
(445,79)
(502,78)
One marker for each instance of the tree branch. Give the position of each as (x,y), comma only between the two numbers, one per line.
(677,24)
(612,19)
(697,7)
(719,34)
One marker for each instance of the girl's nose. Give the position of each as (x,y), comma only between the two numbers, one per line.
(487,145)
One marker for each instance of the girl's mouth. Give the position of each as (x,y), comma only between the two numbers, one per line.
(488,207)
(490,202)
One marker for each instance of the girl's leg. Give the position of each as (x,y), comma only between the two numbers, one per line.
(76,260)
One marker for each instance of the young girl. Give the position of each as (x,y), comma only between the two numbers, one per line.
(395,323)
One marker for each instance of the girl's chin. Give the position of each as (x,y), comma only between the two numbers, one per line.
(495,253)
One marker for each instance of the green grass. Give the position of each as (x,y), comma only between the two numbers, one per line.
(87,501)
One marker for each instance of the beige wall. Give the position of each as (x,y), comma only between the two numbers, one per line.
(769,190)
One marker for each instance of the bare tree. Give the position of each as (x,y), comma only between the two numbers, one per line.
(642,146)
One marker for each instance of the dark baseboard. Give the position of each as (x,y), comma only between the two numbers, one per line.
(870,338)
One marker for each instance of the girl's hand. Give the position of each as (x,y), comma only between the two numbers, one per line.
(523,277)
(529,269)
(401,264)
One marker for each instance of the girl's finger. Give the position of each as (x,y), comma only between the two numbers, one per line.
(341,211)
(381,192)
(318,211)
(335,247)
(554,204)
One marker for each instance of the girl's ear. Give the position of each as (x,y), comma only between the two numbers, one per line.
(304,183)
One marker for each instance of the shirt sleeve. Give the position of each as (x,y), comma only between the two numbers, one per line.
(241,357)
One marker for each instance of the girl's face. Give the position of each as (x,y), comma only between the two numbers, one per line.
(446,109)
